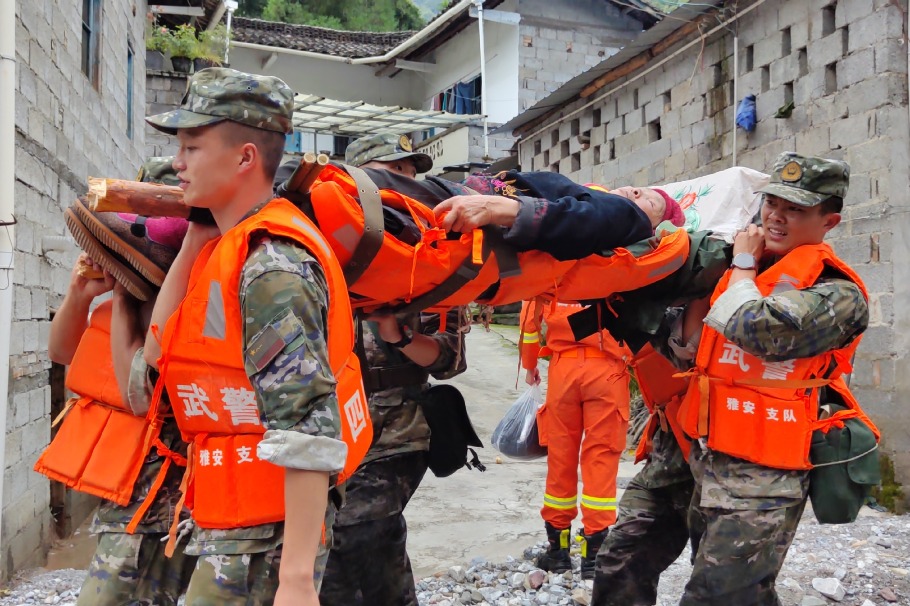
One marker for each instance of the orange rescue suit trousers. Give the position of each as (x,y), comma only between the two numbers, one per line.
(587,410)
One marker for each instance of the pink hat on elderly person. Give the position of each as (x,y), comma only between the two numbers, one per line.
(673,212)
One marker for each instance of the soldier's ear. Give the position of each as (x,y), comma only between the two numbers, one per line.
(831,220)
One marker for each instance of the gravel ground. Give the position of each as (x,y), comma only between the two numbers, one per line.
(863,564)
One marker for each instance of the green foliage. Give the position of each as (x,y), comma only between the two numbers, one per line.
(352,15)
(157,38)
(429,8)
(889,494)
(183,42)
(291,11)
(213,42)
(250,8)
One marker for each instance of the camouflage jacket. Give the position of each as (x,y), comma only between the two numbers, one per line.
(398,422)
(794,324)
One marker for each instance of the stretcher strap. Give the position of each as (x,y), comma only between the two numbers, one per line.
(467,271)
(169,457)
(373,227)
(66,408)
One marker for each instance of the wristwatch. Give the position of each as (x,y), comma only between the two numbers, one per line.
(407,335)
(743,261)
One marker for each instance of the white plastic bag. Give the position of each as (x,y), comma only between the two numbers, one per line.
(516,435)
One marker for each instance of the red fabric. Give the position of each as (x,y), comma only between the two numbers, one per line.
(673,211)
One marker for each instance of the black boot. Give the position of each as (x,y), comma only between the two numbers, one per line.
(590,545)
(556,558)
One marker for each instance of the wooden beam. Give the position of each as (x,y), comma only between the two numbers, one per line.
(192,11)
(643,58)
(415,66)
(634,64)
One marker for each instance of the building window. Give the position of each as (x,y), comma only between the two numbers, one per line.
(91,39)
(129,89)
(340,144)
(461,98)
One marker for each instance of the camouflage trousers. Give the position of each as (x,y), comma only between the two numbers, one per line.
(246,579)
(747,516)
(132,569)
(649,534)
(369,564)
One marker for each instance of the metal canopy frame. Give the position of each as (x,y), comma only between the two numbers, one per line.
(357,118)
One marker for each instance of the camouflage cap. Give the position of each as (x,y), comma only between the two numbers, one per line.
(807,181)
(216,94)
(385,148)
(159,169)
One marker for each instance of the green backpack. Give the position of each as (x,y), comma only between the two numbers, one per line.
(845,469)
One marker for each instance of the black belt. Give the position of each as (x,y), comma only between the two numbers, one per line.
(378,379)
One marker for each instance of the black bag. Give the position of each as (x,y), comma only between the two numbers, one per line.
(846,469)
(517,435)
(451,432)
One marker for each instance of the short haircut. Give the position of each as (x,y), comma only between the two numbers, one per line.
(269,143)
(834,204)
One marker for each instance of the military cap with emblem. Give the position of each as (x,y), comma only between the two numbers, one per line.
(158,169)
(385,148)
(806,180)
(216,94)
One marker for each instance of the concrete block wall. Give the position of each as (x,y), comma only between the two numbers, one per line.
(66,130)
(556,43)
(164,92)
(843,63)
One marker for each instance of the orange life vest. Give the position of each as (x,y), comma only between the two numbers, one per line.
(404,272)
(101,445)
(227,485)
(765,412)
(662,392)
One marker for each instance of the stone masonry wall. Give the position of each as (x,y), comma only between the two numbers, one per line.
(66,130)
(559,40)
(843,63)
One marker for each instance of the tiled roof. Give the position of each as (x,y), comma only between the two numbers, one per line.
(352,45)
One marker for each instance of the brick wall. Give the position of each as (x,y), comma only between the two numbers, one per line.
(559,40)
(66,130)
(843,64)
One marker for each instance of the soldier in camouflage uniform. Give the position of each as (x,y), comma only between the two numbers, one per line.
(394,153)
(745,513)
(231,127)
(742,516)
(128,567)
(368,563)
(650,531)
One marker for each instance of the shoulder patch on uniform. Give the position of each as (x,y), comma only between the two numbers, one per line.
(283,331)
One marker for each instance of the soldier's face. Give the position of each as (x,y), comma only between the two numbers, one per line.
(207,165)
(787,225)
(404,166)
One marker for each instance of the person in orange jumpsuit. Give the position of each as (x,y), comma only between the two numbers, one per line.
(586,411)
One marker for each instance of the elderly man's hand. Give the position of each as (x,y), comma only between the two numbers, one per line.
(470,212)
